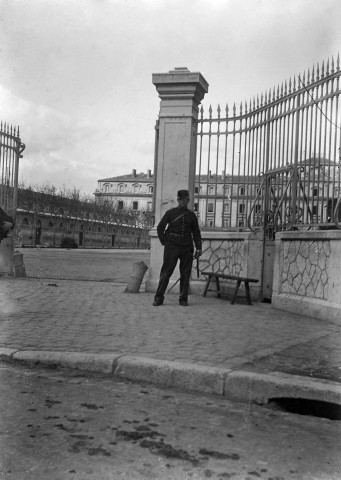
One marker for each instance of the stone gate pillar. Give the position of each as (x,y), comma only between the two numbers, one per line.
(181,92)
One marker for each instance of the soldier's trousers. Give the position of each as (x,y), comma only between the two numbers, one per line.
(172,253)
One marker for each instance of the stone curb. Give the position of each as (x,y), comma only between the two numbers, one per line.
(236,385)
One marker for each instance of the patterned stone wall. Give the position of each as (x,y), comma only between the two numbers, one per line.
(224,256)
(305,268)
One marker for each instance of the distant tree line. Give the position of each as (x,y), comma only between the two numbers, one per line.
(65,204)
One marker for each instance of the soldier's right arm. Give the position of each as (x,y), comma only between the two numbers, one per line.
(162,227)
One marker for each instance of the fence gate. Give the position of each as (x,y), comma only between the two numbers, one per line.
(276,165)
(11,149)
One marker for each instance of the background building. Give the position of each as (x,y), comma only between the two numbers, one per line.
(133,192)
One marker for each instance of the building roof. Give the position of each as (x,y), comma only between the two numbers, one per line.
(149,178)
(139,177)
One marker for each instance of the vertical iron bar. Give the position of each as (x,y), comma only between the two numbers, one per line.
(295,166)
(232,167)
(216,179)
(208,163)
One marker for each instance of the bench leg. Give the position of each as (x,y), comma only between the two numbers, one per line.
(207,285)
(235,292)
(218,286)
(247,290)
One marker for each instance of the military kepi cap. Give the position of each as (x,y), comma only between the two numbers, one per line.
(183,194)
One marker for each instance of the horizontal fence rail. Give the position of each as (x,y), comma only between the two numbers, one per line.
(273,164)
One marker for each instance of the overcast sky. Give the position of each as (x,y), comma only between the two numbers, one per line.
(76,75)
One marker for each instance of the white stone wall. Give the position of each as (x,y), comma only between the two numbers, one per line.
(307,274)
(305,268)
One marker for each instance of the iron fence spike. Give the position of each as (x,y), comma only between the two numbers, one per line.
(318,71)
(338,62)
(313,75)
(322,69)
(332,65)
(218,110)
(327,67)
(227,110)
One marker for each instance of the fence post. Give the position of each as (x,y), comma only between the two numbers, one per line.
(181,92)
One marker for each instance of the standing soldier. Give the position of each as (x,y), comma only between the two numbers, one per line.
(177,231)
(6,224)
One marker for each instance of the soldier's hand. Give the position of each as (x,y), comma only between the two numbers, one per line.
(197,253)
(7,226)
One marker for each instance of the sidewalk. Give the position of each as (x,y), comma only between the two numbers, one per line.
(209,346)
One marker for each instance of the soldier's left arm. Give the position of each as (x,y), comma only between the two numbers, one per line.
(196,232)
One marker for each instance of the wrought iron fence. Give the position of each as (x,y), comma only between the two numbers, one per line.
(11,149)
(274,163)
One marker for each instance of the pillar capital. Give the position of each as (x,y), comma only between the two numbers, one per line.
(180,84)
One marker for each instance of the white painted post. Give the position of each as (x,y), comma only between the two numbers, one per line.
(181,92)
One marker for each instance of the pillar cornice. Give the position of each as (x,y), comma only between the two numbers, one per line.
(180,84)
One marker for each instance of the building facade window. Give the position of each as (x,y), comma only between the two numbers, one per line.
(135,205)
(241,208)
(120,204)
(210,207)
(121,188)
(241,190)
(149,206)
(150,189)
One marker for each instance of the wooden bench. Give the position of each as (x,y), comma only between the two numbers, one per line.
(238,279)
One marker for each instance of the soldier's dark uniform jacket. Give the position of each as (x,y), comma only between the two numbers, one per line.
(182,229)
(4,218)
(177,231)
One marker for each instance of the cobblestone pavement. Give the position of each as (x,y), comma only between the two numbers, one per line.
(45,312)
